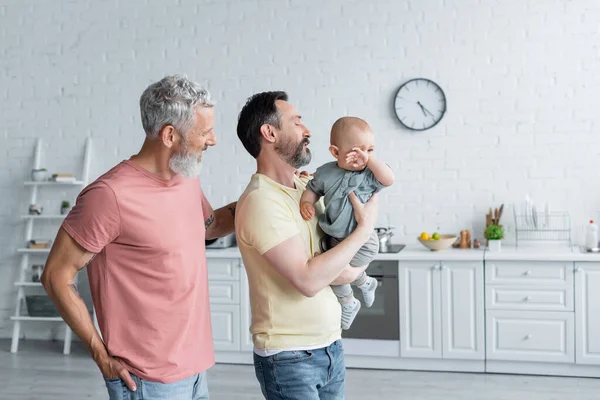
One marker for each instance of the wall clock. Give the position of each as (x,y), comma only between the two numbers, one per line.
(420,104)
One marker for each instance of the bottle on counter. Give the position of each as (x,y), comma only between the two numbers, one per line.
(591,235)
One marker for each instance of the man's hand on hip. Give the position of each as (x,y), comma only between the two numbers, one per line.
(111,368)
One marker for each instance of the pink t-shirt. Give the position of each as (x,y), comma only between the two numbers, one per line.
(149,278)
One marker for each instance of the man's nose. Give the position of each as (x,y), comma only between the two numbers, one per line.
(306,133)
(212,140)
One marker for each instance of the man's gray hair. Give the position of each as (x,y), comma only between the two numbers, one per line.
(172,101)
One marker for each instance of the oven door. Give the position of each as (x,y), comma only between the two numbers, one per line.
(382,320)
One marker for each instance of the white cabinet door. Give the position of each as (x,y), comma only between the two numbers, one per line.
(420,310)
(462,310)
(246,337)
(225,320)
(587,313)
(224,269)
(538,336)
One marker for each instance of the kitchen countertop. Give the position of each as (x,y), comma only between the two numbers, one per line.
(416,252)
(542,253)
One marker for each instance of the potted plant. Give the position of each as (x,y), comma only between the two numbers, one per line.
(65,207)
(39,175)
(494,235)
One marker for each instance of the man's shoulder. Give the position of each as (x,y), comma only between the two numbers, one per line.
(260,196)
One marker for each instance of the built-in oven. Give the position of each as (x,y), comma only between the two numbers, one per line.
(377,327)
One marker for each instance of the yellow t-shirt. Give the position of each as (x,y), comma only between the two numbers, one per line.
(267,214)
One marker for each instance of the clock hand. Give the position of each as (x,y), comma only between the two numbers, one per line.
(422,108)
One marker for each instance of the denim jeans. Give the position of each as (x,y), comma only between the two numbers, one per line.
(192,388)
(303,375)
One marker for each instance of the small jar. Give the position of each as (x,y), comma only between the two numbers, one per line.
(36,272)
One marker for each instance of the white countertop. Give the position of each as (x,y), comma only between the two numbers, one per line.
(416,252)
(542,253)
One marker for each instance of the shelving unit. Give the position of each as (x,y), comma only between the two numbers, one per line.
(23,284)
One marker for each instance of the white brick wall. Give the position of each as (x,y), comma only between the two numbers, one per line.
(520,77)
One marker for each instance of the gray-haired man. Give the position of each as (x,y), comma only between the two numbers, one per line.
(141,228)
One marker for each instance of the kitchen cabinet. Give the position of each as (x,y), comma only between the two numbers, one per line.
(462,310)
(530,308)
(524,310)
(587,313)
(441,310)
(225,320)
(226,305)
(246,320)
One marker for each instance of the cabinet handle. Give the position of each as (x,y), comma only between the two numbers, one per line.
(527,298)
(527,273)
(443,266)
(578,269)
(528,337)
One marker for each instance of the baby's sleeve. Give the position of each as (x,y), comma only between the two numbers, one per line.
(373,182)
(317,184)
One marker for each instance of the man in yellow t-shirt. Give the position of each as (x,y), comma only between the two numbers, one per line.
(295,315)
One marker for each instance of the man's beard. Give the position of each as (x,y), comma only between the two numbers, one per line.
(295,155)
(186,163)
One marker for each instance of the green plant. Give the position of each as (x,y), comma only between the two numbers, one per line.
(65,204)
(494,232)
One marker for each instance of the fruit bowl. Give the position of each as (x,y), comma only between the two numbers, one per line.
(442,243)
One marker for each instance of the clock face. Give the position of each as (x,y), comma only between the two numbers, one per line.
(420,104)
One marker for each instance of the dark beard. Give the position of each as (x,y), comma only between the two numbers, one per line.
(295,155)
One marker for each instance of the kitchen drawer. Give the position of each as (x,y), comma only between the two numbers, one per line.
(529,299)
(530,273)
(225,292)
(544,336)
(226,269)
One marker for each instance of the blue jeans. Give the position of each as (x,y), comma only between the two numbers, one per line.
(192,388)
(303,375)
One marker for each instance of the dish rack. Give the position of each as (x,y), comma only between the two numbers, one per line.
(543,226)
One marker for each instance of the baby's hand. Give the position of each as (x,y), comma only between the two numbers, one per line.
(357,158)
(301,174)
(307,211)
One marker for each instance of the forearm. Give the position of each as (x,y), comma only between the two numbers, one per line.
(222,222)
(325,268)
(308,196)
(73,310)
(348,275)
(382,171)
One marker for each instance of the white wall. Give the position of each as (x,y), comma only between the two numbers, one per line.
(520,77)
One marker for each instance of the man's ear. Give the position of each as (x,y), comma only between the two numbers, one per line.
(335,152)
(268,133)
(168,136)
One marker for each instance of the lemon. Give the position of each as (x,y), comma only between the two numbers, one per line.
(425,236)
(435,236)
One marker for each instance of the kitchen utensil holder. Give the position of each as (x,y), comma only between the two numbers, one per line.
(542,226)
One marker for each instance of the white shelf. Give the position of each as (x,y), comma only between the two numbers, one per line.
(33,251)
(56,216)
(52,183)
(28,318)
(23,282)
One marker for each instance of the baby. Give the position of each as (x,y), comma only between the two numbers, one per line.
(356,170)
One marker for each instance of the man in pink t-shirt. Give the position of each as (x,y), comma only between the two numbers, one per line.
(140,228)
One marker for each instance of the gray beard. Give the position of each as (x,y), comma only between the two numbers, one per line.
(296,156)
(186,164)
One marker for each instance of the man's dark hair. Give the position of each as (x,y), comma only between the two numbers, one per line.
(260,109)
